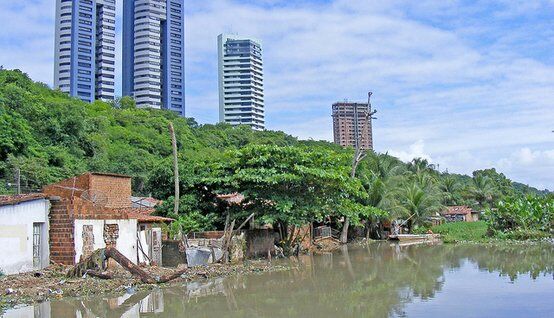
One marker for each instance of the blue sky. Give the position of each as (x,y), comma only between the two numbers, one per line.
(466,84)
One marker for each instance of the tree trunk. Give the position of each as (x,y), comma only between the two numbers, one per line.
(358,156)
(126,263)
(227,238)
(97,260)
(344,233)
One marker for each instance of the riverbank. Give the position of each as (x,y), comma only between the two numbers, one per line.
(52,283)
(478,232)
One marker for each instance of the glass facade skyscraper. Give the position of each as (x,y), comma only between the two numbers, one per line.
(85,49)
(154,53)
(241,81)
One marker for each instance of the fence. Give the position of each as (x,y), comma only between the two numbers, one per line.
(326,231)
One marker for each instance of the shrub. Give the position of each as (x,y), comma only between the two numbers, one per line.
(522,216)
(193,222)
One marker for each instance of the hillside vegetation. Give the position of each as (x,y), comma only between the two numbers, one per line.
(49,136)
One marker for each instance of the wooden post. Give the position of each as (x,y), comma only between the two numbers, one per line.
(18,180)
(175,167)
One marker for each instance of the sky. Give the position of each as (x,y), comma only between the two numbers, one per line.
(465,84)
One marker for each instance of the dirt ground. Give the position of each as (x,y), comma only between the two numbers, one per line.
(52,283)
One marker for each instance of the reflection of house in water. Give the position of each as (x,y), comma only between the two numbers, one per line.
(151,303)
(202,289)
(37,311)
(126,306)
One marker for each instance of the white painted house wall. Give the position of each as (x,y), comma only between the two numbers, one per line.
(126,242)
(16,236)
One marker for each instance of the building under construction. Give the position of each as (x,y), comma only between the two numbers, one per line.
(352,124)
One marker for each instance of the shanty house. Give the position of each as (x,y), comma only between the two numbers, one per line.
(95,211)
(460,213)
(23,233)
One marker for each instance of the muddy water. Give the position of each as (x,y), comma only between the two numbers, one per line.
(378,280)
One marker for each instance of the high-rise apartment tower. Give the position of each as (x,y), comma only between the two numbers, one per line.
(241,81)
(352,125)
(84,65)
(154,53)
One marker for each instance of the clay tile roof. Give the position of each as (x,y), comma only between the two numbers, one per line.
(19,198)
(234,198)
(145,215)
(457,210)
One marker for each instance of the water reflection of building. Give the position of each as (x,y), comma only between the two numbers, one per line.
(151,303)
(378,280)
(36,311)
(126,306)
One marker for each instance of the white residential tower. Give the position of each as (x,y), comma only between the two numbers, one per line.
(154,53)
(84,64)
(241,88)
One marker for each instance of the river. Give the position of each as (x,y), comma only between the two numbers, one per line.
(376,280)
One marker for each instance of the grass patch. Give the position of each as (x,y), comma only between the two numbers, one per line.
(462,231)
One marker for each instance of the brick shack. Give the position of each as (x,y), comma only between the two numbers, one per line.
(94,210)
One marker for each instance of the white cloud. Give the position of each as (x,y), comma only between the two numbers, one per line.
(415,150)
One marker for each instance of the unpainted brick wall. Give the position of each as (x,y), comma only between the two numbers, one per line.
(116,188)
(61,233)
(68,188)
(111,234)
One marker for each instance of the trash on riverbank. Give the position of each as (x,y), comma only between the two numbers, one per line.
(52,283)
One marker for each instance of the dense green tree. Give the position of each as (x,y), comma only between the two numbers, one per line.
(291,185)
(502,186)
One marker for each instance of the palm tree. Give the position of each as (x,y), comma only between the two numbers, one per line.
(424,180)
(378,180)
(482,190)
(416,205)
(376,190)
(420,165)
(450,187)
